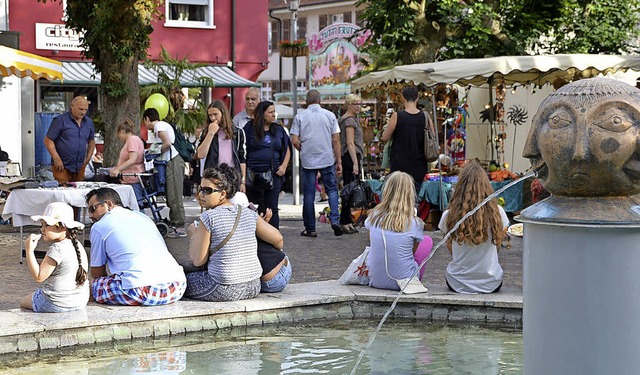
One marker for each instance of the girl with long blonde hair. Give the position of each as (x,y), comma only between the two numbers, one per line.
(395,233)
(474,245)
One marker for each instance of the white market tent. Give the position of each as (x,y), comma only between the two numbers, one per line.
(487,72)
(537,70)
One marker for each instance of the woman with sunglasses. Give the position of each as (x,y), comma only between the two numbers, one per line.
(352,151)
(233,271)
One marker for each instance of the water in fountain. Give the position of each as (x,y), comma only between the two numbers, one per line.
(433,251)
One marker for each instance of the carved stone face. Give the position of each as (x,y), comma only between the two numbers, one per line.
(584,140)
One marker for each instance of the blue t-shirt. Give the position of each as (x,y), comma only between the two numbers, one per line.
(269,152)
(129,243)
(71,140)
(400,261)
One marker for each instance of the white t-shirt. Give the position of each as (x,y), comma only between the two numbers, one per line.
(474,268)
(162,126)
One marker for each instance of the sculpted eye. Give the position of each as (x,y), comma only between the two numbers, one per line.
(614,123)
(559,119)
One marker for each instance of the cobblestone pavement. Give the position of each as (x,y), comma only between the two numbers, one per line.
(312,259)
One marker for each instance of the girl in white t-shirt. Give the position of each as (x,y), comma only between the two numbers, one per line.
(474,245)
(64,269)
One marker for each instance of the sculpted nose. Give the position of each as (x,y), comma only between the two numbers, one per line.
(581,148)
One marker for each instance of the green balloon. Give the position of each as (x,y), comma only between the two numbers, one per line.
(160,103)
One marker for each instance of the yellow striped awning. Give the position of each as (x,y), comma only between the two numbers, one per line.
(24,64)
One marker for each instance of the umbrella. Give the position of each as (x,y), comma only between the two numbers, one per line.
(284,111)
(537,70)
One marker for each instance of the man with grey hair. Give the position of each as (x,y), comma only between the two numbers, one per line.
(316,134)
(70,141)
(251,100)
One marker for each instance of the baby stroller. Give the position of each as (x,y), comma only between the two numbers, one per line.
(153,183)
(150,192)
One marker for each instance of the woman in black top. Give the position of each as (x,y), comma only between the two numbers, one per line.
(406,128)
(268,149)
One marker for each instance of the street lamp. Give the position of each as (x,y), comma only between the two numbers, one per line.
(293,6)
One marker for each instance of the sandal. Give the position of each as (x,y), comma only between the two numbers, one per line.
(347,230)
(306,233)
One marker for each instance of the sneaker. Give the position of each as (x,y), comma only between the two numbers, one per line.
(176,232)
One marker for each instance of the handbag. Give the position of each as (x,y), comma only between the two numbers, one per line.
(358,271)
(408,285)
(431,148)
(357,194)
(188,266)
(261,181)
(386,154)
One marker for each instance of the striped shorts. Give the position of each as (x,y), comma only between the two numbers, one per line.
(108,289)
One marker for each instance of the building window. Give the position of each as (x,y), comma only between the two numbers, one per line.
(189,13)
(273,36)
(346,17)
(302,28)
(286,30)
(323,21)
(286,86)
(359,19)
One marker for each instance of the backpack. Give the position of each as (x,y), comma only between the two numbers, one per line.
(182,144)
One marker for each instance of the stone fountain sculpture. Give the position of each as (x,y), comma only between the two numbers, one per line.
(582,244)
(585,142)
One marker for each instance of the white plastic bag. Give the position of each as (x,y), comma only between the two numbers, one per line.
(358,271)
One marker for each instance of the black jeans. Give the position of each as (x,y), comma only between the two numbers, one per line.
(348,177)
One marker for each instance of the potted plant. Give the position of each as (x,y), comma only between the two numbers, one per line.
(294,49)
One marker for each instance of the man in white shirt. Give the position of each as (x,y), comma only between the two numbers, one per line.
(175,170)
(251,100)
(316,134)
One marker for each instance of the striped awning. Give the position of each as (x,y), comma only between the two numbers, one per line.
(24,64)
(78,73)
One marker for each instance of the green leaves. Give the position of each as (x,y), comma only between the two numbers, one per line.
(411,31)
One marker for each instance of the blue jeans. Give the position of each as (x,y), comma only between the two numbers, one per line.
(328,175)
(139,192)
(279,281)
(41,304)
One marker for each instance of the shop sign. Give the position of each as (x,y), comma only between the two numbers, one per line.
(337,31)
(51,36)
(335,57)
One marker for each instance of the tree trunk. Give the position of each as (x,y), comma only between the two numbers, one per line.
(117,109)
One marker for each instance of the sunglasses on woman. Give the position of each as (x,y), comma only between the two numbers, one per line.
(208,190)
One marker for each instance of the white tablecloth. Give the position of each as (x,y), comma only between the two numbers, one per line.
(24,203)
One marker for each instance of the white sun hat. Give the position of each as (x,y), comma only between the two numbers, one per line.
(58,212)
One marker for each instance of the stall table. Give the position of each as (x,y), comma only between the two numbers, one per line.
(24,203)
(431,192)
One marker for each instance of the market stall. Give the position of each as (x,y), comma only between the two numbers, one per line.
(528,78)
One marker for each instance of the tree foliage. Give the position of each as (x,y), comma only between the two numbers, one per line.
(170,73)
(412,31)
(116,35)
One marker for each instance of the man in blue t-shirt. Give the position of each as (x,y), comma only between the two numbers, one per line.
(142,271)
(70,141)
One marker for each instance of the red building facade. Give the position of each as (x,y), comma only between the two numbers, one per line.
(205,31)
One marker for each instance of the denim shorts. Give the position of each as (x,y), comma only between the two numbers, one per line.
(42,305)
(279,281)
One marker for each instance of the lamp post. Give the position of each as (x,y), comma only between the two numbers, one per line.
(293,6)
